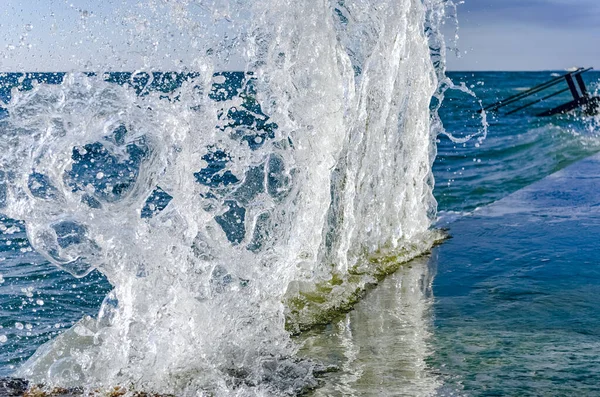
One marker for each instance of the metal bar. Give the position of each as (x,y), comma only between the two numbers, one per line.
(567,107)
(524,94)
(537,101)
(581,70)
(581,84)
(590,106)
(572,87)
(534,90)
(531,91)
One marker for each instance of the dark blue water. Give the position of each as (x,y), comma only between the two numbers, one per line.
(514,311)
(519,148)
(516,288)
(517,291)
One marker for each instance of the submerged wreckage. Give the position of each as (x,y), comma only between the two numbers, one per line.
(582,99)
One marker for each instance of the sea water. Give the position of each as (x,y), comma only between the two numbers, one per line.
(199,218)
(514,309)
(507,306)
(192,203)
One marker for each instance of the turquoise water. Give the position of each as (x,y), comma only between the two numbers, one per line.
(501,296)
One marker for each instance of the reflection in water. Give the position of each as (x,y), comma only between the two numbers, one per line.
(381,347)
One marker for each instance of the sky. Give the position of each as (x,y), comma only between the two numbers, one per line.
(51,35)
(526,35)
(106,35)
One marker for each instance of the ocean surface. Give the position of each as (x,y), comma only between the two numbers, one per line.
(514,294)
(516,289)
(484,331)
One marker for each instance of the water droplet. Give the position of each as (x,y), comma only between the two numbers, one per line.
(28,292)
(19,326)
(3,338)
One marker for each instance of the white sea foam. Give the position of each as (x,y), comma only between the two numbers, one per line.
(199,287)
